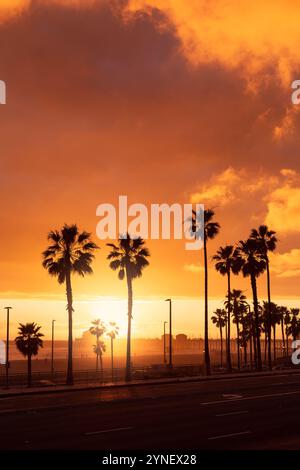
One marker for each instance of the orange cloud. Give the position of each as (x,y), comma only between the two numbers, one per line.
(237,33)
(286,265)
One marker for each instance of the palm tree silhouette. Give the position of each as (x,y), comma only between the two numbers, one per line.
(210,230)
(99,349)
(112,333)
(252,263)
(293,328)
(226,262)
(267,241)
(219,319)
(238,308)
(98,329)
(28,343)
(70,253)
(129,258)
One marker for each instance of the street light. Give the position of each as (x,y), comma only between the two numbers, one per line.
(165,359)
(170,332)
(7,343)
(52,350)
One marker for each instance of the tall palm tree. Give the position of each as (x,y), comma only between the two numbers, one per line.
(253,264)
(112,333)
(238,307)
(98,329)
(70,252)
(267,240)
(129,258)
(210,230)
(28,343)
(226,262)
(219,319)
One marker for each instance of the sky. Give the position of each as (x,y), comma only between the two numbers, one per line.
(162,101)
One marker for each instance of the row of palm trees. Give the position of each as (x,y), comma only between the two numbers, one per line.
(251,258)
(243,318)
(72,252)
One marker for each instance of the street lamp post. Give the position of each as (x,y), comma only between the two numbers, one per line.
(7,343)
(165,358)
(170,332)
(52,350)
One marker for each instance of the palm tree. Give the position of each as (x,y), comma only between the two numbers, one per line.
(99,349)
(294,326)
(210,230)
(28,343)
(129,258)
(275,320)
(238,307)
(267,240)
(252,263)
(112,333)
(98,329)
(282,312)
(226,262)
(70,252)
(219,319)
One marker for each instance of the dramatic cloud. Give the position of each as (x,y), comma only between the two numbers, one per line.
(286,265)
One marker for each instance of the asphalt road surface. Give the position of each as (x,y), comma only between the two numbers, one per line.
(241,413)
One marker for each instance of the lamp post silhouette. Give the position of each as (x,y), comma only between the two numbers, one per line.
(170,332)
(165,358)
(52,350)
(7,342)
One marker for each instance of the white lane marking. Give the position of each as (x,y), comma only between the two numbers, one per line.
(233,413)
(229,435)
(230,396)
(107,430)
(255,397)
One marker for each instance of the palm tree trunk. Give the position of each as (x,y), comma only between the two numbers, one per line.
(274,341)
(228,352)
(206,343)
(269,314)
(101,366)
(266,345)
(282,335)
(112,358)
(70,380)
(251,358)
(221,336)
(255,305)
(128,355)
(238,344)
(29,369)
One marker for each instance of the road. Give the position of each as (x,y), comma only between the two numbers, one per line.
(234,413)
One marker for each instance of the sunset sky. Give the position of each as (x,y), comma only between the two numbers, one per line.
(162,101)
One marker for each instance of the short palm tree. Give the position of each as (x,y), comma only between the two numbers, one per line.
(98,329)
(239,307)
(219,319)
(70,252)
(129,258)
(252,264)
(99,349)
(113,331)
(267,240)
(210,230)
(28,342)
(226,262)
(293,328)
